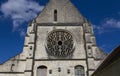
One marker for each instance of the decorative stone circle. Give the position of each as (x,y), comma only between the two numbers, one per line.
(60,43)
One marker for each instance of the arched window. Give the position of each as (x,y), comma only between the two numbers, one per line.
(42,71)
(79,70)
(55,15)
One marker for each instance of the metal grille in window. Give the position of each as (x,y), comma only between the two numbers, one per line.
(79,71)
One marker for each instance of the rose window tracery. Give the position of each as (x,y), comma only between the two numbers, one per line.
(60,43)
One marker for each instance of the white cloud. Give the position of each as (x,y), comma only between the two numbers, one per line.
(112,23)
(107,25)
(98,29)
(20,11)
(22,32)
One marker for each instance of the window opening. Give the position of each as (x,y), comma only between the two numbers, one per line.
(42,71)
(79,71)
(55,15)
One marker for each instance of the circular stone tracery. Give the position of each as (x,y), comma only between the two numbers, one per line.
(59,43)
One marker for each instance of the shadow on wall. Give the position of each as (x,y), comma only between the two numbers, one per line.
(110,66)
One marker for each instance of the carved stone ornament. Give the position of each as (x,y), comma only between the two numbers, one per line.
(60,43)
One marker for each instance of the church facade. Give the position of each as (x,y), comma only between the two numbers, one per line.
(59,42)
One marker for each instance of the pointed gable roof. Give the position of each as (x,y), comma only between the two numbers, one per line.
(66,13)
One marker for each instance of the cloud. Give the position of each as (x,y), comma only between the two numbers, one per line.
(98,29)
(106,25)
(20,11)
(22,32)
(112,23)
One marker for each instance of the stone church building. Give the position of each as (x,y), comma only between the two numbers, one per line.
(59,42)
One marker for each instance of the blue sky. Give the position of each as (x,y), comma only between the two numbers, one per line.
(16,14)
